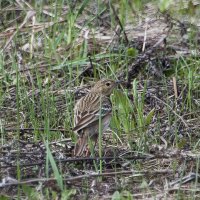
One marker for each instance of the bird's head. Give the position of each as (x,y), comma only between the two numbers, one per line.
(105,86)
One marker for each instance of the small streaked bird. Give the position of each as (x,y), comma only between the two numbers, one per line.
(89,110)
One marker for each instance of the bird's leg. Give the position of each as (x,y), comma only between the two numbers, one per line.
(95,142)
(87,148)
(94,145)
(90,145)
(87,153)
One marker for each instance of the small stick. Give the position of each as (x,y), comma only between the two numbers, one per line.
(22,130)
(120,24)
(181,118)
(145,37)
(29,15)
(91,64)
(88,176)
(175,87)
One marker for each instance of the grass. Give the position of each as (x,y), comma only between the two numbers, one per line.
(38,90)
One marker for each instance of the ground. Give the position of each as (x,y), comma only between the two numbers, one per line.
(51,55)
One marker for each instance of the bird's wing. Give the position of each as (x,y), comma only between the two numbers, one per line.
(88,110)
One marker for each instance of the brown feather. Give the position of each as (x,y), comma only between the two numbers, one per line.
(87,111)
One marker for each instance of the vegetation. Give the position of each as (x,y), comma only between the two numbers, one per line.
(51,54)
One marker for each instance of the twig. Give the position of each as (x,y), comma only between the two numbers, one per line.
(91,64)
(90,159)
(145,36)
(141,59)
(112,38)
(88,176)
(83,159)
(181,118)
(22,130)
(175,87)
(120,24)
(29,15)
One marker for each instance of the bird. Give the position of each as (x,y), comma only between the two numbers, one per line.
(88,111)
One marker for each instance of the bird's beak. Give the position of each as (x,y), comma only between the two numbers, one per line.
(118,82)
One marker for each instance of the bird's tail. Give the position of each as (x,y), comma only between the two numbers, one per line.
(81,145)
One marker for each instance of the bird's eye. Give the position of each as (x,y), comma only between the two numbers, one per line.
(108,84)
